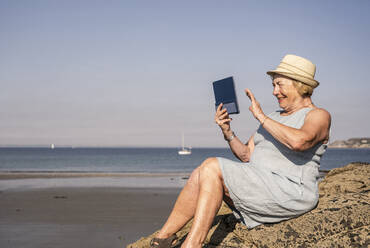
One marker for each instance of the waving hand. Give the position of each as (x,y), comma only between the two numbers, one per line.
(255,107)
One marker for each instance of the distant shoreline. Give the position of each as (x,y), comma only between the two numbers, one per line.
(339,147)
(353,143)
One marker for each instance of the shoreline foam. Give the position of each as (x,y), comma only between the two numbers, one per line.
(64,174)
(20,181)
(28,181)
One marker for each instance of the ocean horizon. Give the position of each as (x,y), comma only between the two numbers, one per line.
(137,159)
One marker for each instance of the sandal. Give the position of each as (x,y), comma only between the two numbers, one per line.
(164,243)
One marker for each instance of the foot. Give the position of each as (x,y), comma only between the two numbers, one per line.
(164,242)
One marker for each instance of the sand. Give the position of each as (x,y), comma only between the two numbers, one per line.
(81,216)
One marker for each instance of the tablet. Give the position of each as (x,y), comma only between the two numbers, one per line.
(224,91)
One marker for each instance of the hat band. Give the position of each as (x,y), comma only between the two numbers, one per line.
(297,68)
(298,76)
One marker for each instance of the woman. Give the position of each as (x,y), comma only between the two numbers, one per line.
(278,177)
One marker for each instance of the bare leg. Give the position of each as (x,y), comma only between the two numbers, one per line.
(184,208)
(211,191)
(193,197)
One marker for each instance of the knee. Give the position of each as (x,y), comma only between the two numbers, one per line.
(210,166)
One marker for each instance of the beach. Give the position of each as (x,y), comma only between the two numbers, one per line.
(98,197)
(84,209)
(56,210)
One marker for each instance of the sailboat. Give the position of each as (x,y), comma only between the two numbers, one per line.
(184,151)
(52,146)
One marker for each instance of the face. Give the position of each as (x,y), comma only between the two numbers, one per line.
(285,92)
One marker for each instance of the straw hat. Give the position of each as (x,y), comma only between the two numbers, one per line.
(297,68)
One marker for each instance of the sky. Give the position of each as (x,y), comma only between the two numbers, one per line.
(139,73)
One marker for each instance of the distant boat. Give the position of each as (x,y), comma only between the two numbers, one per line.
(52,146)
(184,150)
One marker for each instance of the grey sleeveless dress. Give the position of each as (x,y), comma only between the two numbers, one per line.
(277,183)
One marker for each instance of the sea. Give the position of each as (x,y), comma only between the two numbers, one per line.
(137,160)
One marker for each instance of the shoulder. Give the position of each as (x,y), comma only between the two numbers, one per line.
(318,115)
(319,112)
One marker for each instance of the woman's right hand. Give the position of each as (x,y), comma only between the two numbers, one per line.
(222,118)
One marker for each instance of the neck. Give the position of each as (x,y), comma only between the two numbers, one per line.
(300,103)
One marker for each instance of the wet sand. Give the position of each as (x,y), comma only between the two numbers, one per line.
(81,216)
(61,174)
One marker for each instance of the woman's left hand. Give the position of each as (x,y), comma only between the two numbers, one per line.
(255,107)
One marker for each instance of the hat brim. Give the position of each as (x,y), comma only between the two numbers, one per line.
(311,82)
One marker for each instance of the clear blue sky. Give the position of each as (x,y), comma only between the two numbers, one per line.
(139,73)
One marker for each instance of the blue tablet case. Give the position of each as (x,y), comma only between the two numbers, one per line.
(224,90)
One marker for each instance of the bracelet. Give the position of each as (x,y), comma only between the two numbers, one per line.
(230,138)
(263,122)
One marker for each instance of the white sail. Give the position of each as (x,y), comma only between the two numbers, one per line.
(184,151)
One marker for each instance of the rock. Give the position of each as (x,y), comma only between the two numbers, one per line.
(341,219)
(351,143)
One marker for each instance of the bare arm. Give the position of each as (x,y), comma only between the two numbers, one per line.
(314,130)
(240,150)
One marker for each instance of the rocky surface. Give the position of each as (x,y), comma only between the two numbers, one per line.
(351,143)
(341,219)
